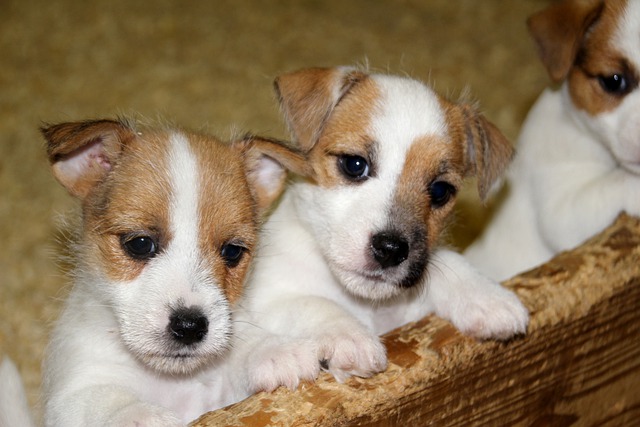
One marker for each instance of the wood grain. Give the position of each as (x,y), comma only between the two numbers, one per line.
(578,365)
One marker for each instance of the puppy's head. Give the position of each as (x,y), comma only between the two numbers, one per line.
(170,222)
(594,46)
(388,156)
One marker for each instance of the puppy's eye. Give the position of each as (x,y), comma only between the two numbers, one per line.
(139,247)
(232,254)
(440,193)
(615,84)
(354,167)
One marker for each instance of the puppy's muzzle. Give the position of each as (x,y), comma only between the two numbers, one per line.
(188,325)
(389,249)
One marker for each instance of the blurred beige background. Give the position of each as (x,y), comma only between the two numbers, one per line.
(208,65)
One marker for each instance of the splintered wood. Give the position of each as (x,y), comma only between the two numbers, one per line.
(579,363)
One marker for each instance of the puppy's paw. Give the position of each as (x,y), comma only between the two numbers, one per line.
(493,312)
(282,361)
(144,415)
(347,352)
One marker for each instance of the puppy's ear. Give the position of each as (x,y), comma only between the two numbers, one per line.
(82,153)
(307,98)
(266,162)
(558,32)
(488,151)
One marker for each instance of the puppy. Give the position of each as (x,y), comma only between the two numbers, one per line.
(578,163)
(169,227)
(352,252)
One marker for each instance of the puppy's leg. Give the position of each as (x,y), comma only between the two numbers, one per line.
(303,334)
(14,409)
(599,193)
(475,304)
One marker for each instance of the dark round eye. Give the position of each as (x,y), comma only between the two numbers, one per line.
(139,247)
(354,167)
(615,84)
(440,193)
(232,254)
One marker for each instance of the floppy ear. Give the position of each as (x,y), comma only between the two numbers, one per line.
(307,98)
(82,153)
(267,162)
(558,32)
(488,151)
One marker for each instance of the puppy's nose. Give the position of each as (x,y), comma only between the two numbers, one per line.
(389,249)
(188,325)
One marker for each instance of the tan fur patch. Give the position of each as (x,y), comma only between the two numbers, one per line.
(308,96)
(133,200)
(136,198)
(68,140)
(266,179)
(484,151)
(598,56)
(227,211)
(429,159)
(558,31)
(345,133)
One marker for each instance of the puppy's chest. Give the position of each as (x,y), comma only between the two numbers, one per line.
(189,398)
(381,319)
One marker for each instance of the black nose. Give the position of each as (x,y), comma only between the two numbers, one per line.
(389,249)
(188,325)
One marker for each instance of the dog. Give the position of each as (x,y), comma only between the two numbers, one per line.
(169,226)
(578,162)
(351,251)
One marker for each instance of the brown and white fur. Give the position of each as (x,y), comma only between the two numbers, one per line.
(353,251)
(578,163)
(169,227)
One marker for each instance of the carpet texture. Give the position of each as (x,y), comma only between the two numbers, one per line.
(209,66)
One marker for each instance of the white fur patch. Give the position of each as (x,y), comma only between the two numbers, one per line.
(621,127)
(627,36)
(177,277)
(345,218)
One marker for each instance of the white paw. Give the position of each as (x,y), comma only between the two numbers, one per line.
(282,361)
(344,353)
(144,415)
(493,312)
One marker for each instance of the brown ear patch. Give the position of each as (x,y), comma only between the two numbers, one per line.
(82,153)
(487,151)
(307,98)
(266,162)
(559,30)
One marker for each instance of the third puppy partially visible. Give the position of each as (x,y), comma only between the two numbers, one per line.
(353,251)
(578,163)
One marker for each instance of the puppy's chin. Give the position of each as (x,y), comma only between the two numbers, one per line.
(180,362)
(177,364)
(378,285)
